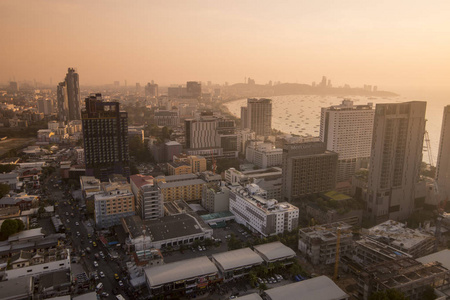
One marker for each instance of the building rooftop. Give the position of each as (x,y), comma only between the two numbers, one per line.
(164,228)
(274,251)
(398,234)
(442,257)
(26,234)
(15,288)
(141,180)
(184,269)
(173,143)
(164,185)
(237,259)
(256,196)
(253,296)
(87,296)
(403,271)
(173,178)
(326,232)
(318,288)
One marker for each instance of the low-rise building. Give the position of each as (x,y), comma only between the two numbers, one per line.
(165,232)
(15,289)
(179,168)
(116,201)
(318,288)
(236,263)
(262,216)
(318,243)
(148,197)
(90,186)
(264,155)
(415,242)
(406,275)
(27,263)
(22,200)
(187,190)
(275,252)
(11,179)
(168,118)
(197,163)
(215,197)
(181,278)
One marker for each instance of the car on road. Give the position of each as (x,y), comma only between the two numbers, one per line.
(68,221)
(94,244)
(67,213)
(78,233)
(104,294)
(102,275)
(120,283)
(76,223)
(116,276)
(95,263)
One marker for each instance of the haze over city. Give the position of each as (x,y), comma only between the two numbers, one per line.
(218,150)
(388,43)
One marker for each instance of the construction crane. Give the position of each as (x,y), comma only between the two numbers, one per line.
(336,263)
(338,249)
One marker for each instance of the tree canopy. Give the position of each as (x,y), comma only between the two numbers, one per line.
(11,226)
(388,295)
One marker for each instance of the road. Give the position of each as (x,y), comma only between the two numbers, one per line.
(79,239)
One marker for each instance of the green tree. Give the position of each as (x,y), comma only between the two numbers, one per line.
(7,168)
(388,295)
(4,189)
(295,269)
(9,227)
(429,294)
(20,225)
(41,210)
(253,279)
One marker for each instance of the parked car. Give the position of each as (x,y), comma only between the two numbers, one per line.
(102,275)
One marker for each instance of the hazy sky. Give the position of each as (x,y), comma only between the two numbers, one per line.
(386,43)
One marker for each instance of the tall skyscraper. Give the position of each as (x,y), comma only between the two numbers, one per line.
(68,97)
(194,89)
(244,113)
(105,135)
(151,90)
(45,106)
(308,168)
(258,116)
(396,156)
(347,130)
(443,161)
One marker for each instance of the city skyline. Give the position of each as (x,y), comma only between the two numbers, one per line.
(385,44)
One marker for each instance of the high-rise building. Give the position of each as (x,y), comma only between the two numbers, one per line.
(105,135)
(244,121)
(151,90)
(396,156)
(45,106)
(68,97)
(149,200)
(347,130)
(194,89)
(443,161)
(308,168)
(13,86)
(258,116)
(207,132)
